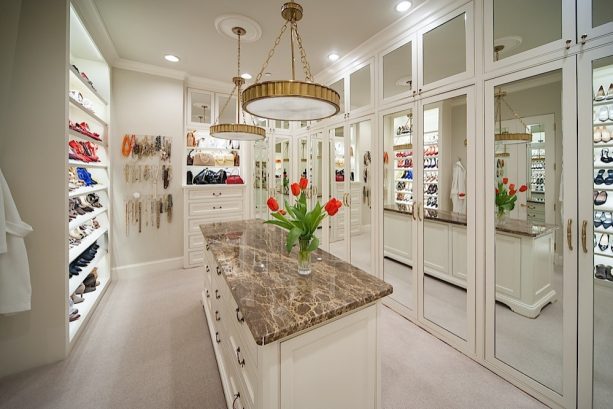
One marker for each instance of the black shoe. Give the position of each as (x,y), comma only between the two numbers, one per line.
(600,271)
(599,179)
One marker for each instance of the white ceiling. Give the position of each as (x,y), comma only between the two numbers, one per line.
(145,30)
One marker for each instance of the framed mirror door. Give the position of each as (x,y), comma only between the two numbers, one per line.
(531,228)
(261,186)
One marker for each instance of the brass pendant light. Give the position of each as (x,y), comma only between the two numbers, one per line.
(291,100)
(238,131)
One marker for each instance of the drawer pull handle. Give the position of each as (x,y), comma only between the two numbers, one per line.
(239,319)
(207,294)
(207,269)
(217,207)
(569,234)
(217,316)
(217,339)
(206,246)
(217,296)
(584,235)
(237,396)
(216,193)
(218,271)
(241,362)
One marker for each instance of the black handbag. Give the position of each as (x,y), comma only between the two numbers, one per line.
(190,177)
(217,178)
(190,158)
(200,178)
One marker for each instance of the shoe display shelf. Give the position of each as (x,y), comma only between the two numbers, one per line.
(432,136)
(88,103)
(404,194)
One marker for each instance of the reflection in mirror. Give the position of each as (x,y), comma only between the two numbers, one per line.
(520,25)
(398,71)
(260,180)
(602,12)
(359,194)
(229,113)
(315,174)
(339,86)
(444,50)
(444,228)
(603,257)
(359,94)
(283,168)
(338,164)
(398,222)
(529,270)
(201,108)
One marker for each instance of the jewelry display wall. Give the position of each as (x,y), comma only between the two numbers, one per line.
(147,172)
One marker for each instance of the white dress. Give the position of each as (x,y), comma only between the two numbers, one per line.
(458,188)
(15,288)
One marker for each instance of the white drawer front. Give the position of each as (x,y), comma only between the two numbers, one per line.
(215,209)
(195,258)
(195,242)
(212,192)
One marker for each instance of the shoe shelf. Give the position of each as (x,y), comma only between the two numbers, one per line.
(87,190)
(603,283)
(598,145)
(75,103)
(84,137)
(76,280)
(74,252)
(604,102)
(85,308)
(79,220)
(80,164)
(602,230)
(83,85)
(605,123)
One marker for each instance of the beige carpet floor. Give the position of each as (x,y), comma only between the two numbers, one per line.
(148,347)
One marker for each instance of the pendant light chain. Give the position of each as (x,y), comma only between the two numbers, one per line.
(225,105)
(514,115)
(271,52)
(303,57)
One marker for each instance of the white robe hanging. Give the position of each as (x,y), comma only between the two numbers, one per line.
(458,188)
(15,288)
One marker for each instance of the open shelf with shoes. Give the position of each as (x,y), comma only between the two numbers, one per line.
(88,170)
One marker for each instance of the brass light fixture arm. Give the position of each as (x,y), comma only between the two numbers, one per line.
(303,57)
(271,52)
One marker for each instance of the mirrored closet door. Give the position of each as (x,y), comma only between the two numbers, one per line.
(531,227)
(445,212)
(261,188)
(595,95)
(398,195)
(283,163)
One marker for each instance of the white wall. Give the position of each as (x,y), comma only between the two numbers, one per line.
(33,158)
(145,104)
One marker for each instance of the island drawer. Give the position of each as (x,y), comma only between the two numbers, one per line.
(217,192)
(238,326)
(239,366)
(213,210)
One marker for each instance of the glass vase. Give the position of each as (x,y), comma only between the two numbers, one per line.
(501,216)
(304,258)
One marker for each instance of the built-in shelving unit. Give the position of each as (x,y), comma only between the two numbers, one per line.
(89,182)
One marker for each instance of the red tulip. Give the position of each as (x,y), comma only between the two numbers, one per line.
(512,192)
(332,206)
(523,188)
(295,189)
(282,212)
(272,204)
(505,180)
(304,182)
(497,191)
(512,186)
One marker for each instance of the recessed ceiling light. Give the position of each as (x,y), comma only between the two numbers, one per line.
(246,76)
(333,56)
(171,58)
(403,6)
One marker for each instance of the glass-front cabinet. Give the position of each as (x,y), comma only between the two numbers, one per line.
(199,108)
(261,188)
(594,20)
(356,90)
(595,96)
(398,73)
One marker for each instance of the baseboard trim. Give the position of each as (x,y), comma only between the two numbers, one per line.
(139,269)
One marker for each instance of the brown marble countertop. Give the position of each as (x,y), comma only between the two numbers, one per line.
(511,226)
(263,279)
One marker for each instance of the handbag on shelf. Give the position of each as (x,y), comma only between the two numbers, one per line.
(217,178)
(191,139)
(190,158)
(190,177)
(220,159)
(228,159)
(237,158)
(235,178)
(204,159)
(340,175)
(200,178)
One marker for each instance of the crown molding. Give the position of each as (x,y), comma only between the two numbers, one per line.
(90,16)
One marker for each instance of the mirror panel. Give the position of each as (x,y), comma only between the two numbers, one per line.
(200,110)
(283,166)
(339,86)
(602,12)
(444,50)
(339,165)
(445,224)
(398,222)
(228,116)
(260,180)
(519,25)
(398,71)
(315,174)
(529,270)
(360,93)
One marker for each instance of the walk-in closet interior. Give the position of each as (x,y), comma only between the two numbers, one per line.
(468,144)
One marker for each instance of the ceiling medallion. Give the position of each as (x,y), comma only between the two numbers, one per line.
(238,131)
(291,100)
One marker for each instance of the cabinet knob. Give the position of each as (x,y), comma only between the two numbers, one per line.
(241,362)
(217,339)
(218,271)
(206,246)
(217,316)
(207,268)
(217,296)
(583,38)
(568,43)
(239,319)
(207,294)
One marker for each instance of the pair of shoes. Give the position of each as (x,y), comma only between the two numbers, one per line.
(81,100)
(604,219)
(604,156)
(404,154)
(86,177)
(83,151)
(91,281)
(600,94)
(600,197)
(83,128)
(431,150)
(408,174)
(77,296)
(605,113)
(603,243)
(603,272)
(83,260)
(602,134)
(432,202)
(431,163)
(432,189)
(600,178)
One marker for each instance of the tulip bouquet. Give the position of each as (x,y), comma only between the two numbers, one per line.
(301,223)
(506,196)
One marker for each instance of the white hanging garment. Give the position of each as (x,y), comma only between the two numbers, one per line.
(458,188)
(15,288)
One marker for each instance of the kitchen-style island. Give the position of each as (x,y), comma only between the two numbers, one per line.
(283,341)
